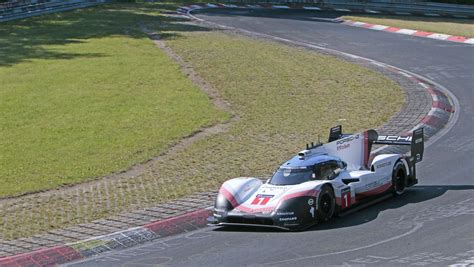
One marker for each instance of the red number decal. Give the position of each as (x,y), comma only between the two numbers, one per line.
(261,199)
(345,199)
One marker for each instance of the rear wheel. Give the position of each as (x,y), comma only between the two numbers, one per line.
(399,178)
(326,204)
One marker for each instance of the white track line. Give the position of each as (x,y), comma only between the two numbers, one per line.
(311,8)
(455,101)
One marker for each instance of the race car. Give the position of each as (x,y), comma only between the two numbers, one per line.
(321,181)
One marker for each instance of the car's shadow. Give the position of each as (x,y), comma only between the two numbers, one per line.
(415,194)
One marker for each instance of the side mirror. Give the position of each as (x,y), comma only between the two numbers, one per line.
(335,173)
(343,165)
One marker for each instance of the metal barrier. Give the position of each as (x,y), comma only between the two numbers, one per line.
(39,7)
(390,6)
(35,8)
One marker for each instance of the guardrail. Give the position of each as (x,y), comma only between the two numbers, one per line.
(389,6)
(35,8)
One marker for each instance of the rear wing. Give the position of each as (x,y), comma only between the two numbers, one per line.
(416,140)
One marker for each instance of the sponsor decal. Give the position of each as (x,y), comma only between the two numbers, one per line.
(311,211)
(285,213)
(371,185)
(348,139)
(246,189)
(394,138)
(342,147)
(383,165)
(418,158)
(288,219)
(310,202)
(261,199)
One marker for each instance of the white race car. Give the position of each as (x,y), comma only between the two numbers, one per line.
(319,182)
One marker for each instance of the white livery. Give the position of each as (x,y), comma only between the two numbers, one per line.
(320,181)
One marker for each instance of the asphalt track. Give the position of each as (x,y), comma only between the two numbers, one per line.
(432,224)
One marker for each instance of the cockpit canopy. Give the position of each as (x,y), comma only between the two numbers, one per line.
(318,168)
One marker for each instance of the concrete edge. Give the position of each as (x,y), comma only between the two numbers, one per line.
(431,35)
(112,242)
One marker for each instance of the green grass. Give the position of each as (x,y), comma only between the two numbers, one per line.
(458,27)
(283,96)
(86,93)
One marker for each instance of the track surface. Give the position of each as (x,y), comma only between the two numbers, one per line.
(432,224)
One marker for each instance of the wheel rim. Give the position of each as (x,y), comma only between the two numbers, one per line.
(326,204)
(399,184)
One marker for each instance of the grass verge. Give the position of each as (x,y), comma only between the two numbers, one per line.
(457,27)
(284,97)
(85,94)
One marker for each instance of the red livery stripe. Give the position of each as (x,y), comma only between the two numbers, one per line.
(311,193)
(229,196)
(376,190)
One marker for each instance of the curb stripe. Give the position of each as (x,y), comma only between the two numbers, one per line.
(438,36)
(411,32)
(392,29)
(422,33)
(460,39)
(42,257)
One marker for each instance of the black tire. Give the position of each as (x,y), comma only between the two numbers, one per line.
(399,178)
(326,204)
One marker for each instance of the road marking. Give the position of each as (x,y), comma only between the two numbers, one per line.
(405,74)
(283,7)
(311,8)
(372,11)
(413,230)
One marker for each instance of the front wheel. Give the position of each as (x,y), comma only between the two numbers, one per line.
(399,178)
(326,204)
